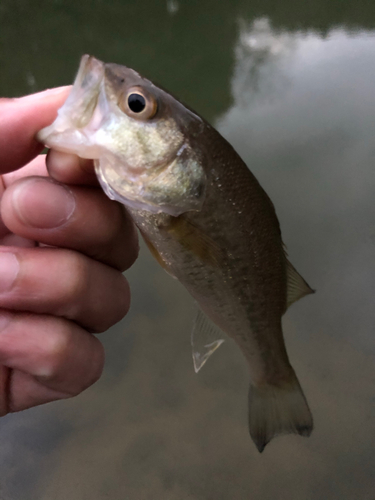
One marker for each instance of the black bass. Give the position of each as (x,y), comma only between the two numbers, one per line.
(205,218)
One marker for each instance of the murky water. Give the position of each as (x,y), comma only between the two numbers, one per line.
(293,90)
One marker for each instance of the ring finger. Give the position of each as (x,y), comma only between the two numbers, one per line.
(44,358)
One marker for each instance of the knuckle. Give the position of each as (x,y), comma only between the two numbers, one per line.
(98,364)
(73,285)
(110,226)
(78,275)
(123,299)
(94,295)
(64,357)
(57,352)
(92,373)
(117,242)
(114,308)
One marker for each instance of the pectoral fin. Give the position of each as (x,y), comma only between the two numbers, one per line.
(206,337)
(196,241)
(156,254)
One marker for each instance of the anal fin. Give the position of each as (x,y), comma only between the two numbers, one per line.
(206,337)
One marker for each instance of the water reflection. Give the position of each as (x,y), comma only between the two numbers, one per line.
(305,127)
(259,52)
(302,118)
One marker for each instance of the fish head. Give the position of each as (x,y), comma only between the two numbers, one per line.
(137,134)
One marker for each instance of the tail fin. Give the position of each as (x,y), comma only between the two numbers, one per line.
(275,410)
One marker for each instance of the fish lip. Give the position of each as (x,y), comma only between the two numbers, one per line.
(85,91)
(78,110)
(88,65)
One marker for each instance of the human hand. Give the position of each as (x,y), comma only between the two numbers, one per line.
(63,247)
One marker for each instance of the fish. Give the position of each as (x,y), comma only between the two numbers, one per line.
(205,218)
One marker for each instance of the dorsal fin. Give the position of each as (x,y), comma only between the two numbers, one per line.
(206,337)
(296,285)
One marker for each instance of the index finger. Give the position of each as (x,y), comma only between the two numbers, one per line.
(20,120)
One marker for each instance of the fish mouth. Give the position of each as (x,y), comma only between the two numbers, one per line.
(80,115)
(85,92)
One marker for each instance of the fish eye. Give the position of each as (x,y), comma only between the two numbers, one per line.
(138,103)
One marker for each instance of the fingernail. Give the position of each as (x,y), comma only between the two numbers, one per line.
(42,203)
(9,268)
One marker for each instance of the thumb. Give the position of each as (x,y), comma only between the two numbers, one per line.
(20,120)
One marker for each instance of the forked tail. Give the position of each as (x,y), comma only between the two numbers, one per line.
(275,410)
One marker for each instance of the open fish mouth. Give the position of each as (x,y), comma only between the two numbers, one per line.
(85,91)
(82,113)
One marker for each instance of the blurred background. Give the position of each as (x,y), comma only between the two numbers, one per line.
(291,85)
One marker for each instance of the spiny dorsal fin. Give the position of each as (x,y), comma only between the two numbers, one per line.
(206,337)
(296,285)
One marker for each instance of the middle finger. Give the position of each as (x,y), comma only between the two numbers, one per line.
(75,287)
(76,217)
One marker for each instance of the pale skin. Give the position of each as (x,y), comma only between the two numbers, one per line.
(63,247)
